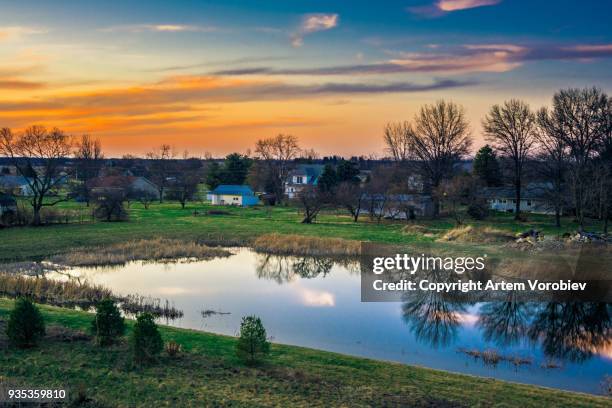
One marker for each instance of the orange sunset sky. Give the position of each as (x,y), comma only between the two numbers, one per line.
(216,76)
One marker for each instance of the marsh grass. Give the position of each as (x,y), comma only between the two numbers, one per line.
(472,234)
(53,292)
(141,250)
(290,244)
(491,357)
(73,293)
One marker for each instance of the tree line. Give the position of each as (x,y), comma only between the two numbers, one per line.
(568,145)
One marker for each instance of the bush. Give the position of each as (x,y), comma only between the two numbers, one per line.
(26,325)
(146,340)
(252,344)
(108,324)
(478,211)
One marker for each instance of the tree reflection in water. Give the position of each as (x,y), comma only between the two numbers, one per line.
(568,331)
(572,331)
(284,269)
(432,316)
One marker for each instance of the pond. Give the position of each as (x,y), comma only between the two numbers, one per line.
(315,302)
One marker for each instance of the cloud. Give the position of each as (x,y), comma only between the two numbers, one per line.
(160,28)
(317,298)
(467,58)
(455,5)
(18,84)
(311,23)
(16,32)
(443,7)
(184,100)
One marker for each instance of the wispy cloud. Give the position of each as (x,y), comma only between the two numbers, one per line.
(312,23)
(467,58)
(443,7)
(16,32)
(186,99)
(455,5)
(160,28)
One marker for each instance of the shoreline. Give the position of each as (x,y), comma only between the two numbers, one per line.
(366,371)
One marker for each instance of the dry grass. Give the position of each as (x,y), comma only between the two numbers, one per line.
(415,229)
(306,245)
(73,293)
(142,250)
(43,290)
(481,235)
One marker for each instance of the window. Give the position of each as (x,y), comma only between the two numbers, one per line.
(299,180)
(529,203)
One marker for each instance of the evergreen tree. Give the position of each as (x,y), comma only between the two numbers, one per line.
(348,171)
(108,324)
(328,179)
(146,340)
(26,325)
(486,167)
(252,344)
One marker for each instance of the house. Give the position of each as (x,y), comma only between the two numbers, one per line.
(128,183)
(303,175)
(535,198)
(398,206)
(8,204)
(17,185)
(229,194)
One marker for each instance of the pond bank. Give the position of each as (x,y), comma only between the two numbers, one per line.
(209,374)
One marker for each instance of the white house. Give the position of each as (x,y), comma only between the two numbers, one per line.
(534,198)
(303,175)
(228,194)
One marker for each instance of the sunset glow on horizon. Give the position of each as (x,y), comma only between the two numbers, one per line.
(216,77)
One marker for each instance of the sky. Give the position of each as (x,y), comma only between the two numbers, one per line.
(215,76)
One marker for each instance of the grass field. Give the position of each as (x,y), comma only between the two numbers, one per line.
(239,226)
(208,374)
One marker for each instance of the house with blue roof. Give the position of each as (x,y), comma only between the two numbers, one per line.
(230,194)
(303,175)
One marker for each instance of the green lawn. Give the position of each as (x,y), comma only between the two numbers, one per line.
(208,374)
(239,227)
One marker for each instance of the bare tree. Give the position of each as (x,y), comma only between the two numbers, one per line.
(553,162)
(278,153)
(397,138)
(439,140)
(88,155)
(351,197)
(312,200)
(161,167)
(580,119)
(511,129)
(37,155)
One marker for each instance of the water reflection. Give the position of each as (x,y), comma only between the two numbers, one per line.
(315,302)
(567,331)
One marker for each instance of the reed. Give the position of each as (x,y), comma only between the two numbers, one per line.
(142,250)
(481,235)
(282,244)
(83,295)
(58,293)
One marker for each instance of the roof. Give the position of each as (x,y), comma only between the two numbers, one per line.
(116,181)
(233,189)
(533,191)
(310,170)
(13,181)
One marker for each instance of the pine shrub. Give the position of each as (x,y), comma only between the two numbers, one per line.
(108,325)
(146,340)
(252,346)
(26,325)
